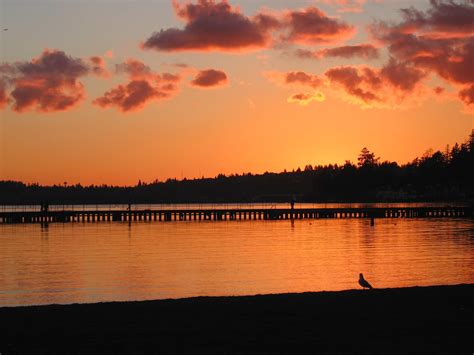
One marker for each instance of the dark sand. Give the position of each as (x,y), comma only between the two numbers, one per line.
(408,320)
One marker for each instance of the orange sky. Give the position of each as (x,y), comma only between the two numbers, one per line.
(280,86)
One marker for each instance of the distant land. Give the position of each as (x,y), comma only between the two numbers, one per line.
(436,176)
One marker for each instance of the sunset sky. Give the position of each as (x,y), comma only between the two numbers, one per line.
(110,92)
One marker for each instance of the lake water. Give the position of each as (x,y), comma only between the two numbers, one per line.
(95,262)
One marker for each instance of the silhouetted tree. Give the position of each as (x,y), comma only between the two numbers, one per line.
(434,176)
(367,158)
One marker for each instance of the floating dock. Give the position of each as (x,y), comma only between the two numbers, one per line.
(83,216)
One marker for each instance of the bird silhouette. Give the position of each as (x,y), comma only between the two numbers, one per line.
(363,282)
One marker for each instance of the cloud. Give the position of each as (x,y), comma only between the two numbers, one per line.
(454,66)
(305,53)
(3,96)
(444,19)
(47,83)
(170,78)
(370,87)
(209,78)
(354,82)
(181,65)
(46,96)
(393,82)
(212,25)
(402,75)
(98,66)
(217,26)
(439,41)
(144,86)
(311,26)
(296,78)
(303,79)
(305,99)
(365,51)
(467,95)
(132,96)
(135,69)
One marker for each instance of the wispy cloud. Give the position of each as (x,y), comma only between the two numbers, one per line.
(305,99)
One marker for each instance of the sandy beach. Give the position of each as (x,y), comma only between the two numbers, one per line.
(438,319)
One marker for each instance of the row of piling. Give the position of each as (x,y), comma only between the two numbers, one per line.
(232,214)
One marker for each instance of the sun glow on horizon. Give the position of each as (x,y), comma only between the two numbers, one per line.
(273,87)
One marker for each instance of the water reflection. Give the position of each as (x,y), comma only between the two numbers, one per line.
(67,263)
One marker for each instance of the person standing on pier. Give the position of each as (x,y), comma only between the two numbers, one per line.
(292,205)
(44,206)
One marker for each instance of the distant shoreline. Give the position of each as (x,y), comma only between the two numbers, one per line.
(434,319)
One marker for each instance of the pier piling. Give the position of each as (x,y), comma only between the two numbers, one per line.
(268,214)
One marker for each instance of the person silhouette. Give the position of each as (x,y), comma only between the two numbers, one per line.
(363,282)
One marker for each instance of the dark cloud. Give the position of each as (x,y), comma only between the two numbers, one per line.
(366,51)
(377,85)
(144,86)
(402,75)
(302,78)
(454,66)
(216,25)
(467,95)
(129,97)
(351,80)
(439,40)
(312,26)
(209,78)
(212,25)
(443,19)
(98,66)
(47,83)
(3,95)
(54,64)
(134,68)
(46,95)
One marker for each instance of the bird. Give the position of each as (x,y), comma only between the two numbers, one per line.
(363,282)
(5,29)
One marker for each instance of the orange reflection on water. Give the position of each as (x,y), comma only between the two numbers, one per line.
(68,263)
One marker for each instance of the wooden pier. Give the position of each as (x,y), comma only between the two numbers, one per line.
(85,216)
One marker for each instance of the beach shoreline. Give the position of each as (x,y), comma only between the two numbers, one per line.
(433,319)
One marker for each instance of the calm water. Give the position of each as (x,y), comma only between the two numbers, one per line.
(69,263)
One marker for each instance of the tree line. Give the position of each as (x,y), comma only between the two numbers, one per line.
(436,176)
